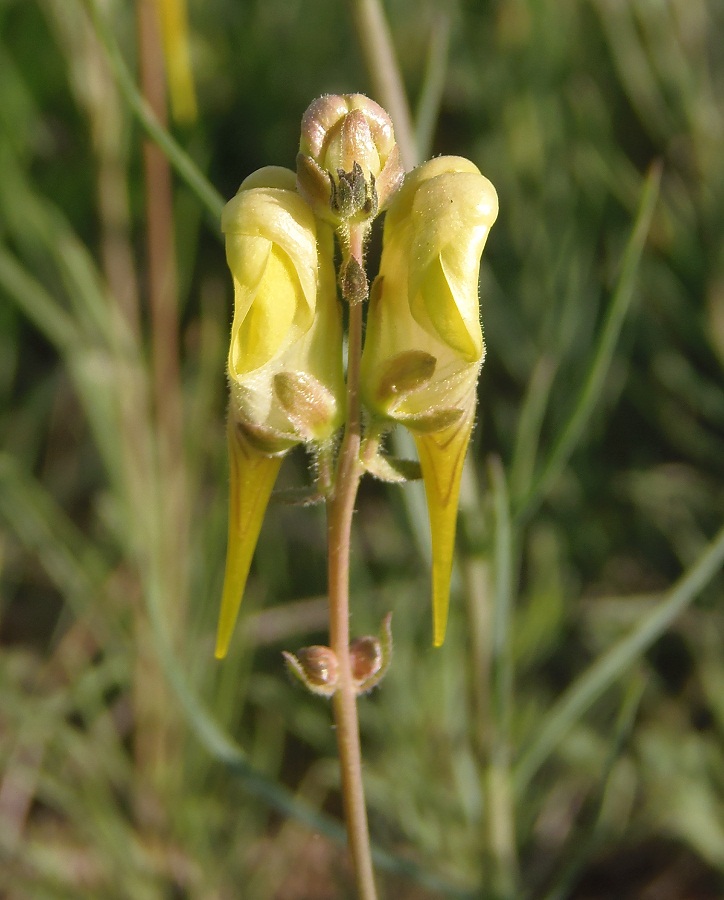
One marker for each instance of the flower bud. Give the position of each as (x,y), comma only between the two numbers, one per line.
(370,657)
(424,342)
(348,166)
(365,657)
(285,356)
(316,667)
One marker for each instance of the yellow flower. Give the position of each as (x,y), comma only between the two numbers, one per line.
(285,357)
(424,342)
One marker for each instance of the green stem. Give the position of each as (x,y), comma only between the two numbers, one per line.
(340,511)
(501,802)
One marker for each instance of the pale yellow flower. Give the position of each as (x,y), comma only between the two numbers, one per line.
(285,357)
(424,341)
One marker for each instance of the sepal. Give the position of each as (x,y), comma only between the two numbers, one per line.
(390,468)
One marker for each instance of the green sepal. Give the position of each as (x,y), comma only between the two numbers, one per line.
(391,468)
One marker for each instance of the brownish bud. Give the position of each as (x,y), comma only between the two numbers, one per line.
(370,657)
(354,284)
(365,657)
(316,667)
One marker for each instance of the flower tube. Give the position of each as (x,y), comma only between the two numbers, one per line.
(285,356)
(424,342)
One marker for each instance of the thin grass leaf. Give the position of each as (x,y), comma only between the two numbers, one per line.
(37,303)
(99,376)
(530,422)
(383,70)
(42,232)
(588,840)
(185,167)
(502,599)
(73,564)
(594,382)
(501,812)
(226,751)
(614,663)
(429,102)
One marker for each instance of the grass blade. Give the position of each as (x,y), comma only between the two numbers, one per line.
(594,381)
(613,664)
(185,167)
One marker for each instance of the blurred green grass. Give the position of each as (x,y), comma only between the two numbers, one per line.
(553,747)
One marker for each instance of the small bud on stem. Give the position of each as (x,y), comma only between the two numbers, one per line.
(316,667)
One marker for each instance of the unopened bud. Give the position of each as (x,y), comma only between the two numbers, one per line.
(316,667)
(349,164)
(365,657)
(354,283)
(370,657)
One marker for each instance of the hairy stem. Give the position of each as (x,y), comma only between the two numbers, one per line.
(340,511)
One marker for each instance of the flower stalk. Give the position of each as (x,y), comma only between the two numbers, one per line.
(340,511)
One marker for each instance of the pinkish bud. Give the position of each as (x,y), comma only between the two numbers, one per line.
(348,165)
